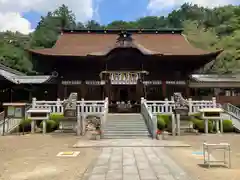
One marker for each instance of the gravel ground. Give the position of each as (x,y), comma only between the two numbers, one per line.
(193,164)
(34,157)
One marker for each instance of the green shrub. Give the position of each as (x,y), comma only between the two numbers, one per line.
(51,125)
(167,118)
(227,126)
(196,115)
(161,123)
(25,125)
(199,125)
(56,117)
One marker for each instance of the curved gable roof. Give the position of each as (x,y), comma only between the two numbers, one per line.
(99,44)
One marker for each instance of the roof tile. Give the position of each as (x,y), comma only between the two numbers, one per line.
(83,44)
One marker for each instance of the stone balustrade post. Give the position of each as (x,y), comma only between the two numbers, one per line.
(190,105)
(34,102)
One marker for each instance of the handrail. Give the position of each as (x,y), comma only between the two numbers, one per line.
(105,112)
(1,115)
(8,125)
(234,113)
(233,110)
(150,119)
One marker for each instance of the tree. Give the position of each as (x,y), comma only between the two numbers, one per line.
(205,28)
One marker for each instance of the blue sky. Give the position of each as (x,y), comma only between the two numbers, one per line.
(24,15)
(107,11)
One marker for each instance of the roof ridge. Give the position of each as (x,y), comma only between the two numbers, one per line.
(135,31)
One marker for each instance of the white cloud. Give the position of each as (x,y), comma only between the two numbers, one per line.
(13,21)
(158,5)
(11,10)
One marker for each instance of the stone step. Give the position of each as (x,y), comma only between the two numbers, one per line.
(126,128)
(120,124)
(126,122)
(130,126)
(126,137)
(127,132)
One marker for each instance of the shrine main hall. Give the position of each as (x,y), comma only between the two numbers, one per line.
(123,65)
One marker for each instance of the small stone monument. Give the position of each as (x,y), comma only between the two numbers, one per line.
(181,105)
(70,106)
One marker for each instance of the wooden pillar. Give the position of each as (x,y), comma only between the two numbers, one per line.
(107,88)
(164,89)
(187,91)
(83,89)
(64,92)
(139,90)
(59,90)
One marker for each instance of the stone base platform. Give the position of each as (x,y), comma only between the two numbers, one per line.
(128,143)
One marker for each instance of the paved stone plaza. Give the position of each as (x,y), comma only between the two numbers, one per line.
(134,163)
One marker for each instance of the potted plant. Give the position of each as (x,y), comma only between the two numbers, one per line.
(159,133)
(98,133)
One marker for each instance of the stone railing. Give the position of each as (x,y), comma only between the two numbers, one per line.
(167,106)
(8,125)
(150,119)
(86,107)
(234,113)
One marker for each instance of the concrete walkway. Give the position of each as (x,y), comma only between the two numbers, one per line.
(134,163)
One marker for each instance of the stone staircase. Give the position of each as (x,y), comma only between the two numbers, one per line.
(125,126)
(185,122)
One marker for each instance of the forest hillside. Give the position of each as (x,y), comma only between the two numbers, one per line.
(209,29)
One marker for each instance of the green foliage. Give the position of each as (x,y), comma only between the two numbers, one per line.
(56,117)
(25,125)
(228,126)
(205,28)
(199,125)
(161,123)
(167,121)
(51,125)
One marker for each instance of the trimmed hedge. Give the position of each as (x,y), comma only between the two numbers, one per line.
(56,117)
(199,125)
(51,125)
(25,125)
(228,126)
(164,121)
(161,123)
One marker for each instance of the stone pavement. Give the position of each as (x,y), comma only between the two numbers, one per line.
(134,163)
(129,143)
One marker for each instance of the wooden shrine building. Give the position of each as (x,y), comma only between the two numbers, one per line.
(121,65)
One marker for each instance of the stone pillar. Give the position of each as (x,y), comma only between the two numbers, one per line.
(33,126)
(178,124)
(79,124)
(206,126)
(44,127)
(173,125)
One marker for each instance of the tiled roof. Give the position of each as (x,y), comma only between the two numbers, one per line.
(21,78)
(215,78)
(100,44)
